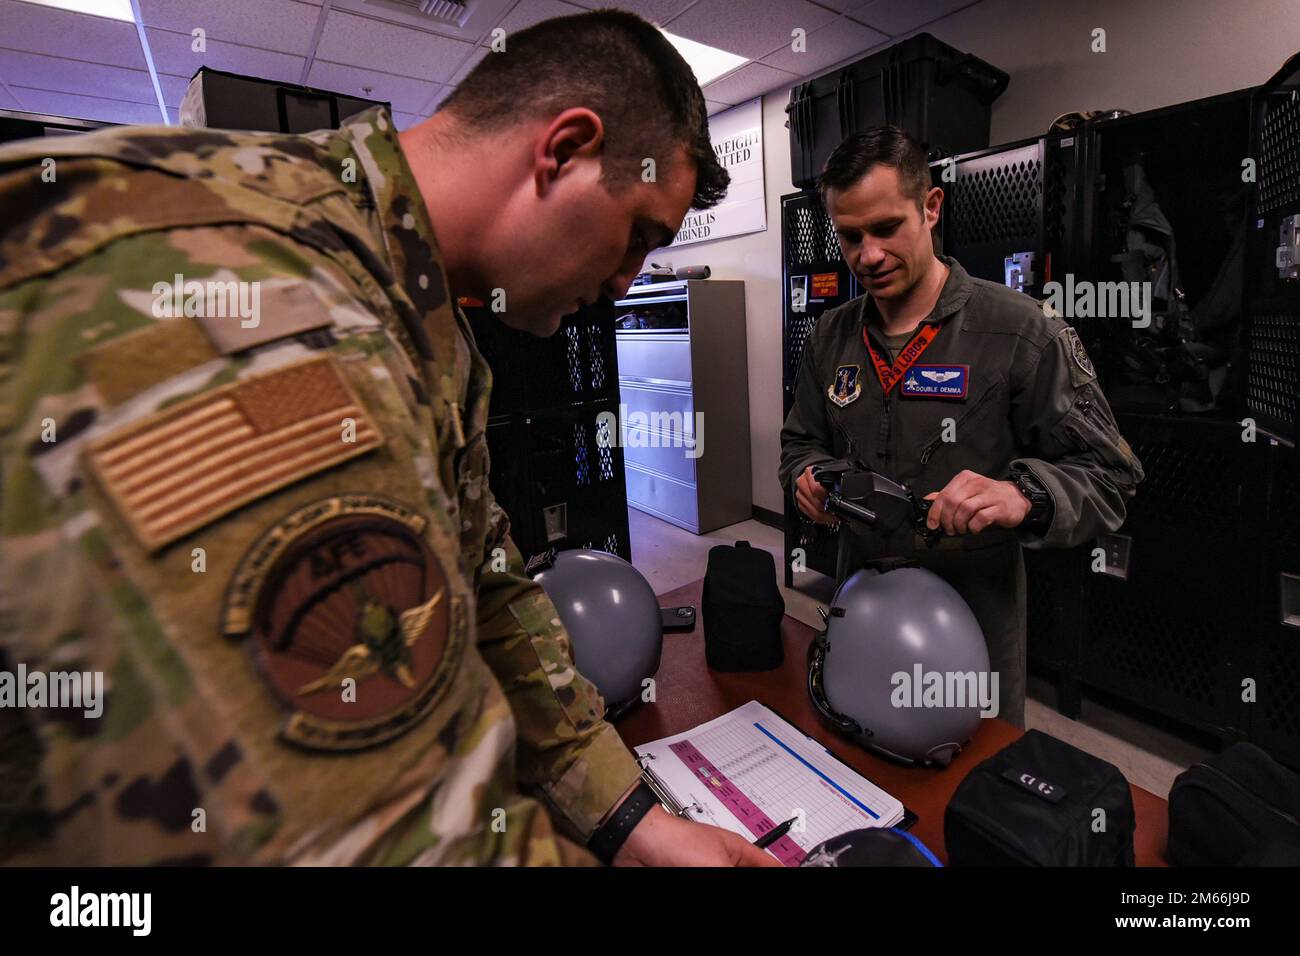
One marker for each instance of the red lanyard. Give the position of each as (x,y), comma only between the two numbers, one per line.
(890,376)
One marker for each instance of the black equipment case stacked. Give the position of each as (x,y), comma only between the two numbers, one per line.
(231,101)
(16,124)
(939,95)
(557,469)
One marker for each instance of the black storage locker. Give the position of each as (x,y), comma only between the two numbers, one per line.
(1274,717)
(552,434)
(1055,618)
(1174,635)
(939,95)
(1010,213)
(809,249)
(1191,359)
(1273,270)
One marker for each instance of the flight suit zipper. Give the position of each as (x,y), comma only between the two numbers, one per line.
(931,446)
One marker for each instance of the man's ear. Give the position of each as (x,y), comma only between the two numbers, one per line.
(933,204)
(576,132)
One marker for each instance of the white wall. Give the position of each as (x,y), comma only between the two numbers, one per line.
(1159,52)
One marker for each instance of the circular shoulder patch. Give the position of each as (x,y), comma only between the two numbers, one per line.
(1079,352)
(350,620)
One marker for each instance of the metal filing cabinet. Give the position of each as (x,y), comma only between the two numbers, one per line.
(684,394)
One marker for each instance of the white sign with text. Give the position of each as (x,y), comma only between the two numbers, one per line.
(737,136)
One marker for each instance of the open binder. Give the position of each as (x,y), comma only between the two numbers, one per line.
(750,770)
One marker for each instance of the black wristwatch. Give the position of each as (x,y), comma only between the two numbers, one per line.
(1041,509)
(613,833)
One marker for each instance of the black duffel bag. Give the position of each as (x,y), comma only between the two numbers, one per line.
(1035,803)
(1237,808)
(742,608)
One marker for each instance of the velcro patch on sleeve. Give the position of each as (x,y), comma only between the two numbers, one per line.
(180,469)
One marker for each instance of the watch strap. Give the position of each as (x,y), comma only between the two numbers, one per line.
(613,833)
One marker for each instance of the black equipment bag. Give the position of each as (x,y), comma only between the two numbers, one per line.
(1240,807)
(1035,803)
(742,608)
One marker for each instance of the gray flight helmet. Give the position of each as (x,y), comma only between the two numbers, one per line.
(613,620)
(891,639)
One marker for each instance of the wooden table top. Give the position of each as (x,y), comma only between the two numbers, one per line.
(688,693)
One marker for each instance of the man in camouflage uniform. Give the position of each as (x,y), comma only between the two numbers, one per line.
(961,388)
(245,475)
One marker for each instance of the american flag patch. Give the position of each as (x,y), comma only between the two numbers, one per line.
(184,467)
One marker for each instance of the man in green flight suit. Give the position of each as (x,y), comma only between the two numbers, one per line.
(963,389)
(242,422)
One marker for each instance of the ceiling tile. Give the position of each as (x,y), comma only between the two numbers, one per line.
(37,29)
(432,106)
(86,107)
(656,11)
(282,25)
(357,41)
(716,107)
(837,41)
(405,120)
(894,18)
(751,80)
(533,11)
(460,74)
(73,76)
(843,6)
(172,54)
(173,88)
(7,102)
(765,26)
(406,95)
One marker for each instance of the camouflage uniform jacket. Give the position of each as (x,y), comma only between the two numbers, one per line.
(267,520)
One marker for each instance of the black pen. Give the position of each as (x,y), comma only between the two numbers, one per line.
(771,836)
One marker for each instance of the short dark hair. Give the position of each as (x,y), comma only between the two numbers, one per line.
(615,64)
(877,146)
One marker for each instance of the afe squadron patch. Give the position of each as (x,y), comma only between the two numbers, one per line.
(346,588)
(847,386)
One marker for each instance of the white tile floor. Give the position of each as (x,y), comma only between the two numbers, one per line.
(670,557)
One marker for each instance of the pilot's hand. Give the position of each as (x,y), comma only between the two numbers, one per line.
(811,498)
(970,503)
(661,839)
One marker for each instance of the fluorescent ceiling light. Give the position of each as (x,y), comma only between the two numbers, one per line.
(708,62)
(112,9)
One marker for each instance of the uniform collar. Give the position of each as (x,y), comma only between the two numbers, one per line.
(402,223)
(957,289)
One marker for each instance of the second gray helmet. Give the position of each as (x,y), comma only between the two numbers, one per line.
(612,616)
(902,666)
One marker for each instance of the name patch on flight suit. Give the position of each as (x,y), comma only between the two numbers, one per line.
(847,386)
(937,381)
(346,588)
